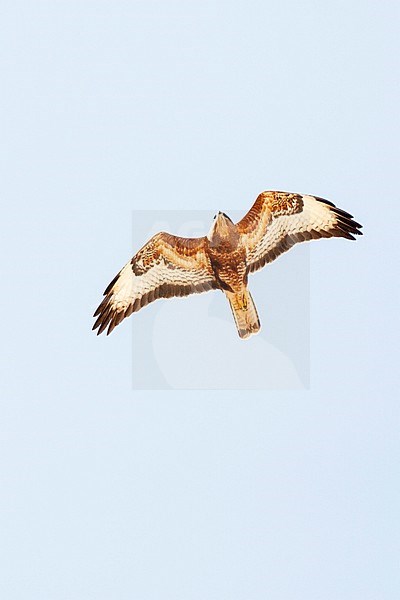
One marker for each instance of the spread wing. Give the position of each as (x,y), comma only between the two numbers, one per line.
(166,266)
(278,220)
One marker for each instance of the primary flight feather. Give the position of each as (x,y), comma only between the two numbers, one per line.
(170,266)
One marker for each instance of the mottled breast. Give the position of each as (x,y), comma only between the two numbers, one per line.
(229,266)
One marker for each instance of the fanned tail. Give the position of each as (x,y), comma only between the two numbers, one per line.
(244,312)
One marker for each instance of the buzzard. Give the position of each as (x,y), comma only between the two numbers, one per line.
(174,266)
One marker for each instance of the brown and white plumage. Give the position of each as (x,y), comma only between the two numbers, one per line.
(166,266)
(173,266)
(278,220)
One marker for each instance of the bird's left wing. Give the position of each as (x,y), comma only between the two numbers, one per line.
(278,220)
(166,266)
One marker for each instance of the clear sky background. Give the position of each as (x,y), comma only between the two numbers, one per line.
(113,493)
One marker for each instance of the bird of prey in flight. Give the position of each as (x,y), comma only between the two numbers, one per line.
(175,266)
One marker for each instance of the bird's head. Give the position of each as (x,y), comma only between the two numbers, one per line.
(223,228)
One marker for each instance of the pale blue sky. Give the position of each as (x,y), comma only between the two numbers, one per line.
(111,493)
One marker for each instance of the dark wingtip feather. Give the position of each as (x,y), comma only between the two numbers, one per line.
(111,326)
(328,202)
(98,322)
(111,285)
(103,326)
(99,308)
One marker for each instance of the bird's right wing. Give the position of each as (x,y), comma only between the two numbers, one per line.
(166,266)
(278,220)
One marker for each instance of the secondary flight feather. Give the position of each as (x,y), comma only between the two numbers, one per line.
(170,266)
